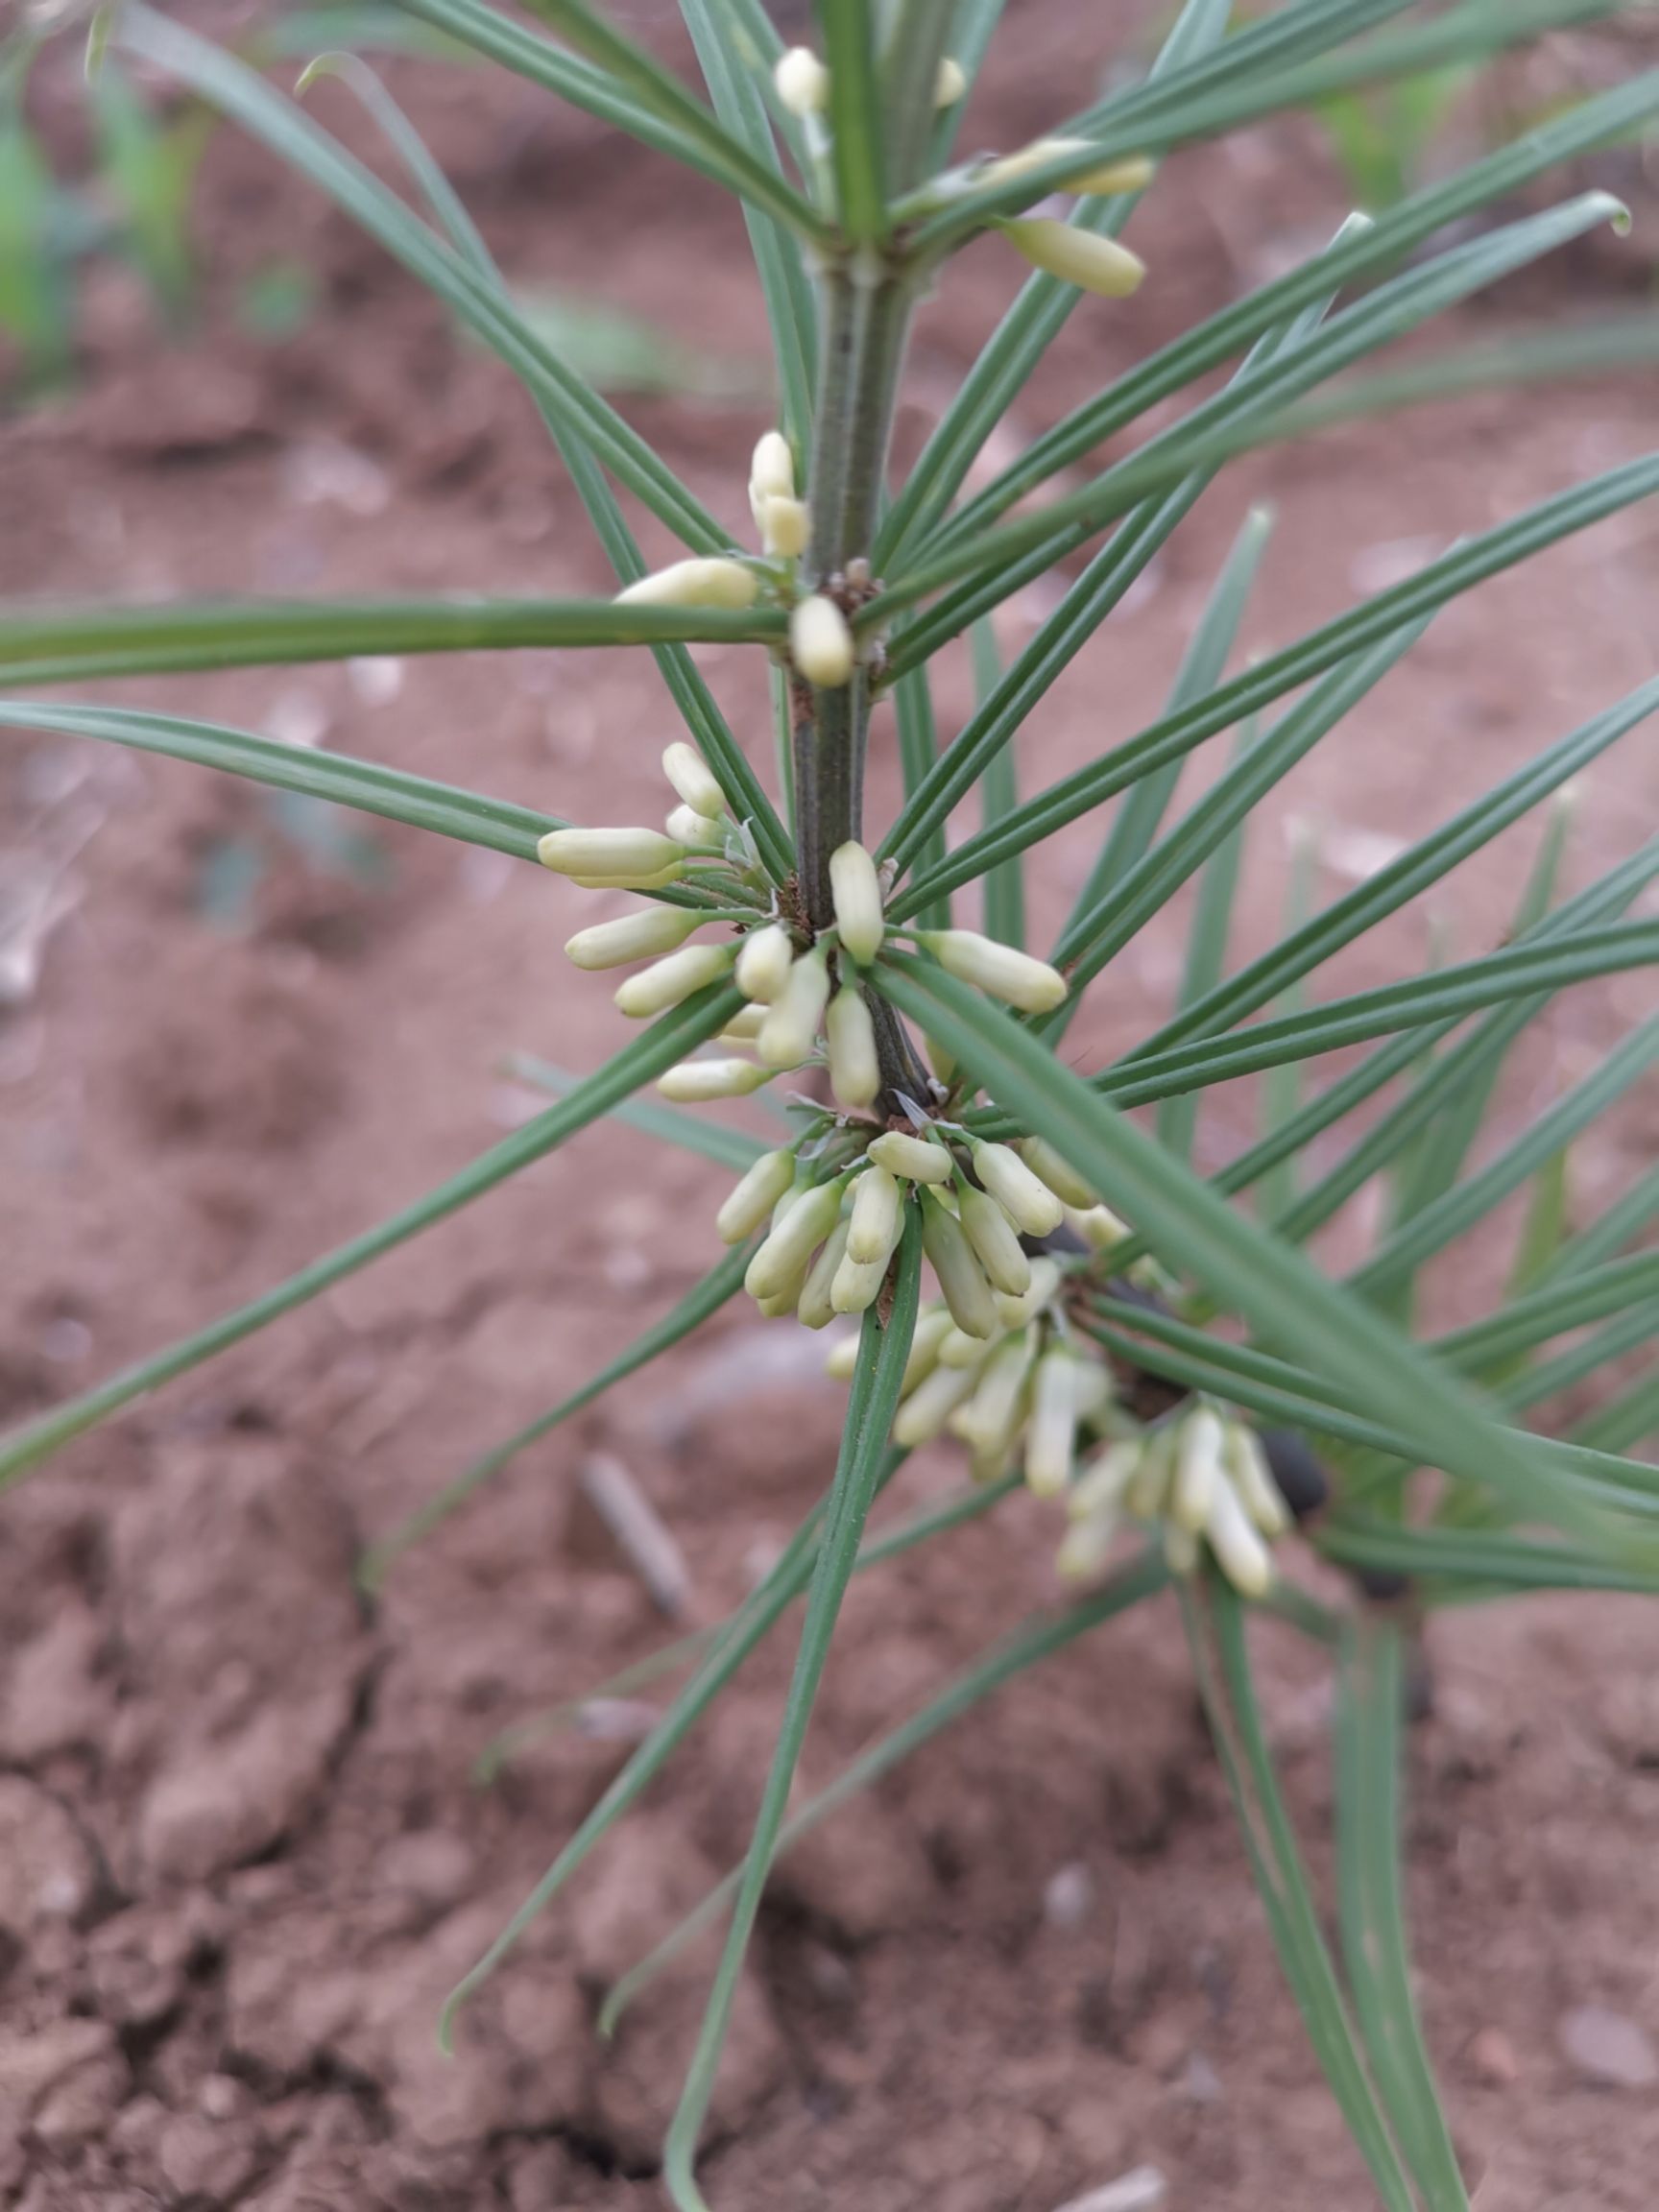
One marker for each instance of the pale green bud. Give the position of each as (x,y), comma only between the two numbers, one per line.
(782,1301)
(641,936)
(594,854)
(692,778)
(930,1405)
(744,1026)
(764,959)
(789,1032)
(1180,1547)
(695,1081)
(841,1363)
(754,1197)
(875,1197)
(771,469)
(855,889)
(816,1311)
(950,83)
(1247,1468)
(854,1072)
(1239,1551)
(932,1325)
(785,524)
(1024,1196)
(800,80)
(669,874)
(1001,971)
(995,1243)
(1086,1547)
(1131,174)
(961,1279)
(1053,1438)
(788,1250)
(857,1284)
(1080,257)
(1198,1469)
(1044,1282)
(1149,1485)
(694,830)
(1101,1486)
(667,982)
(706,581)
(958,1348)
(1098,1226)
(912,1157)
(1061,1177)
(821,642)
(991,1418)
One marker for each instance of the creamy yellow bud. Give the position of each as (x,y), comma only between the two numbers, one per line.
(1180,1547)
(991,1418)
(789,1033)
(1053,1438)
(960,1350)
(754,1197)
(1086,1547)
(950,83)
(995,1243)
(1093,264)
(784,1302)
(771,469)
(932,1325)
(856,890)
(591,855)
(1239,1551)
(693,779)
(1247,1468)
(875,1197)
(961,1279)
(641,936)
(800,80)
(669,874)
(821,642)
(789,1248)
(854,1072)
(1198,1469)
(857,1284)
(1028,1201)
(912,1157)
(1044,1282)
(842,1362)
(1131,173)
(708,581)
(694,1081)
(1099,1227)
(1102,1483)
(816,1310)
(999,969)
(764,959)
(694,830)
(666,982)
(1149,1484)
(785,524)
(1061,1177)
(744,1026)
(930,1405)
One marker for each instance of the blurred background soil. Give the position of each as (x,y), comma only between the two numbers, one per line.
(242,1851)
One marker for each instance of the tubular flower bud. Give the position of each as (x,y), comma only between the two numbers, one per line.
(842,1363)
(1051,1442)
(695,1081)
(1044,1282)
(800,80)
(1198,1472)
(854,1074)
(875,1197)
(708,581)
(1080,257)
(997,970)
(666,982)
(958,1348)
(1030,1203)
(996,1246)
(1085,1548)
(991,1418)
(950,83)
(693,779)
(1098,1227)
(1102,1483)
(961,1279)
(857,1284)
(785,1256)
(694,830)
(752,1198)
(764,960)
(1239,1551)
(855,889)
(821,642)
(616,855)
(641,936)
(790,1030)
(1248,1471)
(669,874)
(1149,1484)
(929,1334)
(1132,173)
(744,1026)
(931,1404)
(1180,1547)
(912,1157)
(784,524)
(1061,1177)
(771,471)
(815,1310)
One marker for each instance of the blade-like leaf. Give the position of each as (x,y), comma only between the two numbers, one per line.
(1004,890)
(854,118)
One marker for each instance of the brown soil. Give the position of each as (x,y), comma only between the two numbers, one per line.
(243,1855)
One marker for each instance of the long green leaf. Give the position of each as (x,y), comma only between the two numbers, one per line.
(1551,1310)
(1488,1558)
(854,118)
(1004,889)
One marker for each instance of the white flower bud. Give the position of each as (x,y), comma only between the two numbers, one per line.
(950,83)
(821,642)
(669,874)
(695,1081)
(995,1243)
(784,1302)
(930,1405)
(694,830)
(991,1418)
(1197,1468)
(764,959)
(706,581)
(855,889)
(1149,1484)
(1247,1468)
(999,969)
(857,1284)
(815,1310)
(1044,1282)
(694,780)
(958,1348)
(1180,1547)
(1099,1227)
(912,1157)
(771,471)
(1131,173)
(667,982)
(1085,1548)
(1239,1551)
(754,1197)
(591,855)
(875,1197)
(842,1363)
(854,1072)
(788,1250)
(784,525)
(1061,1177)
(802,80)
(1052,1439)
(1102,1483)
(640,936)
(789,1032)
(1080,257)
(932,1325)
(1029,1202)
(961,1279)
(744,1026)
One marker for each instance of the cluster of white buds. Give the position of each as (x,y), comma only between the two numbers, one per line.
(1202,1478)
(802,82)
